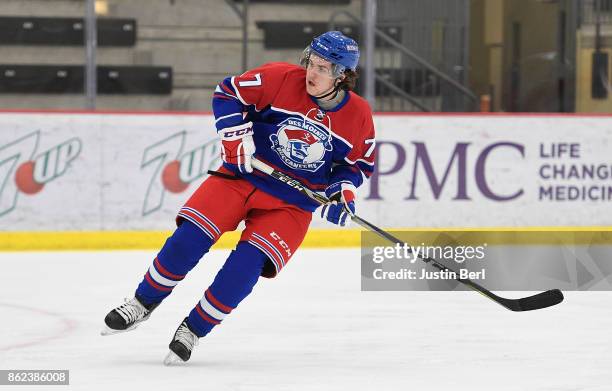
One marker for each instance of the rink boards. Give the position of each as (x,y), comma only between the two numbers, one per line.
(116,180)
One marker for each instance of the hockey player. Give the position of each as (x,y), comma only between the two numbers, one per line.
(302,120)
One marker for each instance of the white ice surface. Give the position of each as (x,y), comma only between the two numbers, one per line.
(309,329)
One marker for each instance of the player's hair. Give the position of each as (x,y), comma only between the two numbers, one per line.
(349,81)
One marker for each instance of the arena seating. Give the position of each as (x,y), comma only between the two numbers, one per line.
(22,30)
(294,35)
(55,79)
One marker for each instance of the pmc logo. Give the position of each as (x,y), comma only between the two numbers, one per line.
(22,170)
(172,169)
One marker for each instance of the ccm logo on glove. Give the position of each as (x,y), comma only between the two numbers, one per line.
(237,147)
(237,133)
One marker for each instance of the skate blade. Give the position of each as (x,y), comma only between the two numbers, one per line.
(172,359)
(108,331)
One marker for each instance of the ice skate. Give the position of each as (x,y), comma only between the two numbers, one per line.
(182,345)
(127,316)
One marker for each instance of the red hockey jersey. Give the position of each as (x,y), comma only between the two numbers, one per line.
(293,134)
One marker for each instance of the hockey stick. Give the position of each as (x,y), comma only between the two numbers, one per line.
(535,302)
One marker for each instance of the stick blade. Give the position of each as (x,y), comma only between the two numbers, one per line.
(535,302)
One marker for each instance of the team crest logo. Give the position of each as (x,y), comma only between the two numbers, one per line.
(301,144)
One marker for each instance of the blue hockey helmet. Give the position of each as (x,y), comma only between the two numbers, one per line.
(336,48)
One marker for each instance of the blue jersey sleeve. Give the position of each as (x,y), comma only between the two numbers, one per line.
(227,108)
(346,173)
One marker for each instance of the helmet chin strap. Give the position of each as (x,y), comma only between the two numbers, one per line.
(334,91)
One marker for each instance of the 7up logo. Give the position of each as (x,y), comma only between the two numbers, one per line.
(172,169)
(22,170)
